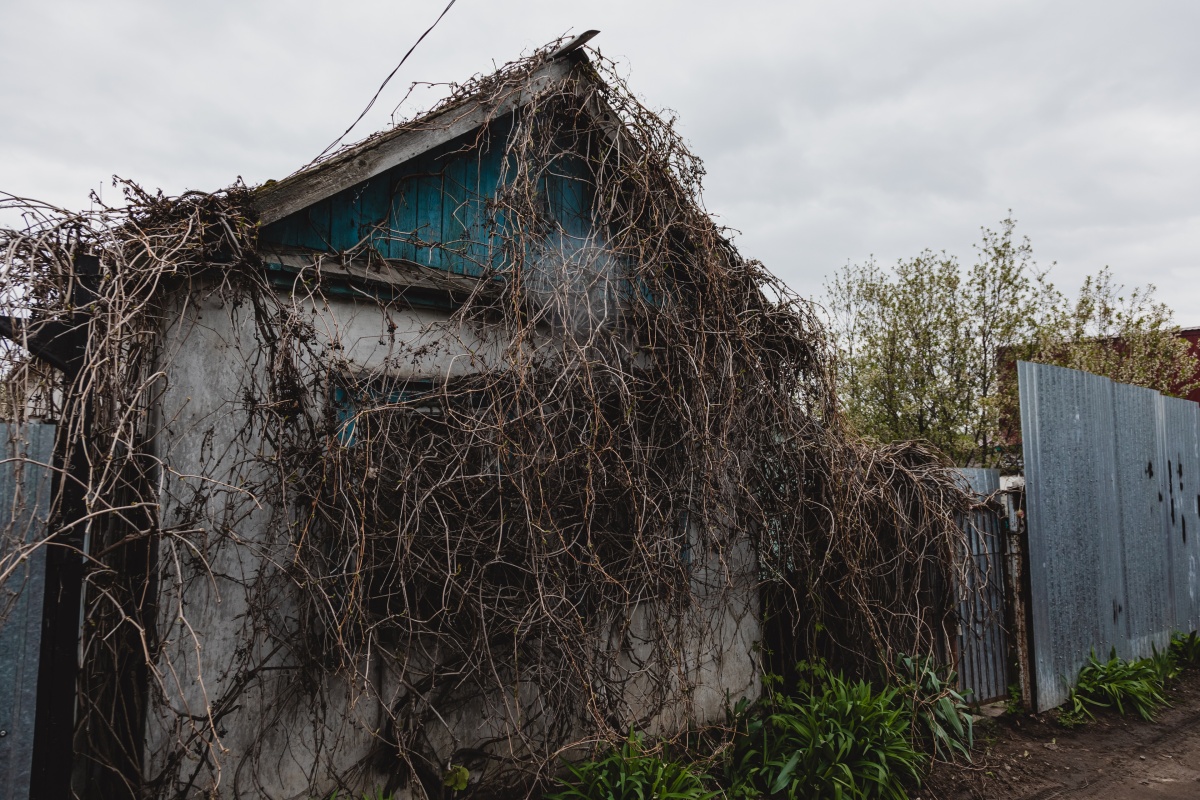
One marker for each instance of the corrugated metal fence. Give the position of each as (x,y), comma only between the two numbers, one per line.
(25,486)
(1113,501)
(982,639)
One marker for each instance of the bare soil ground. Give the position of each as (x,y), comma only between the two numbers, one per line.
(1034,758)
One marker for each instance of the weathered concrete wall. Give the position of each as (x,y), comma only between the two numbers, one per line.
(224,687)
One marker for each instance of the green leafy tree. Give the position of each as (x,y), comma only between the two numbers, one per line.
(1127,336)
(901,334)
(928,348)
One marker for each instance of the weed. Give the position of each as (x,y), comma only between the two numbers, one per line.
(1137,685)
(834,739)
(630,773)
(1014,705)
(1165,664)
(1185,649)
(936,707)
(1075,716)
(456,778)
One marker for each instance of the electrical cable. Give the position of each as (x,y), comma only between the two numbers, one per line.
(382,86)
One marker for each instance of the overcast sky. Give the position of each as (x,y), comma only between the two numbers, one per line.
(831,131)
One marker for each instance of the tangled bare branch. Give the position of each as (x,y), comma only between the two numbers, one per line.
(541,518)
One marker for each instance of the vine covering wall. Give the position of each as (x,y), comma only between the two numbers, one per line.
(338,544)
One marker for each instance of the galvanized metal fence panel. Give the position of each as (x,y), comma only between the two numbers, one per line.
(1180,490)
(1147,604)
(1113,504)
(25,487)
(983,641)
(1075,570)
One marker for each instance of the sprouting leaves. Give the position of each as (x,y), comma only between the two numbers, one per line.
(926,348)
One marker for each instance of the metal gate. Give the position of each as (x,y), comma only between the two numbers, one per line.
(982,639)
(25,491)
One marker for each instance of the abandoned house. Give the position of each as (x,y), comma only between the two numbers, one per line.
(470,444)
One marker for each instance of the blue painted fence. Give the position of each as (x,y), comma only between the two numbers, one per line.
(25,487)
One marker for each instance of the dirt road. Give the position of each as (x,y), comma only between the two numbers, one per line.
(1115,758)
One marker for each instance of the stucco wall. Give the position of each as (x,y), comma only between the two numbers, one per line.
(220,668)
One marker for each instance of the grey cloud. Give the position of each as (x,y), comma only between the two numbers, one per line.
(831,131)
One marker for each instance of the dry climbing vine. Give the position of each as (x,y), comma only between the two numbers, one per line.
(406,569)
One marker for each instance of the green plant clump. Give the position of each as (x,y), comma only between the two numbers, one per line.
(630,773)
(1166,665)
(1185,649)
(1015,704)
(936,707)
(1116,683)
(834,739)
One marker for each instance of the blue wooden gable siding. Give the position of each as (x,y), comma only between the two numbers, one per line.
(433,209)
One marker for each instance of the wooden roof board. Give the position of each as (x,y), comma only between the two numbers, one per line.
(393,272)
(431,210)
(274,201)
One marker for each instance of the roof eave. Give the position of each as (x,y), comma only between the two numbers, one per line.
(274,201)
